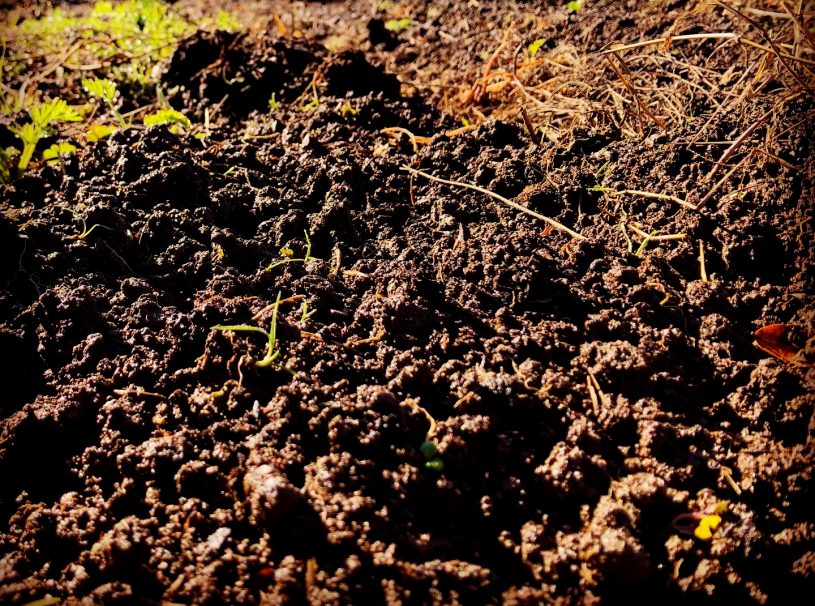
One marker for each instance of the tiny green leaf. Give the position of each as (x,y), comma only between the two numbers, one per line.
(397,26)
(57,151)
(535,47)
(167,116)
(98,132)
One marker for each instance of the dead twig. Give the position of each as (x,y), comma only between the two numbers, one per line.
(498,197)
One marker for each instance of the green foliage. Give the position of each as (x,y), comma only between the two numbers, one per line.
(145,31)
(575,6)
(167,116)
(272,348)
(397,26)
(97,132)
(53,111)
(100,88)
(273,104)
(57,152)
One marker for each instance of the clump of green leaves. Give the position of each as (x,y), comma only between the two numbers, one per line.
(288,255)
(575,6)
(57,152)
(43,118)
(272,347)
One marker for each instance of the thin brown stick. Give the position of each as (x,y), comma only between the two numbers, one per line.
(498,197)
(627,83)
(657,41)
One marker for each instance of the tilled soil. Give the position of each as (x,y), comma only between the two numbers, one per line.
(583,395)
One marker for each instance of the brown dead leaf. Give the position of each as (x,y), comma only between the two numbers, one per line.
(774,340)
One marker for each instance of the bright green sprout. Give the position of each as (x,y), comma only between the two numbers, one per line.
(167,116)
(575,6)
(30,134)
(533,48)
(97,132)
(104,90)
(273,104)
(348,110)
(313,104)
(288,259)
(397,26)
(272,349)
(58,151)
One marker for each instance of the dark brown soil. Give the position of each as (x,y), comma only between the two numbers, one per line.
(584,395)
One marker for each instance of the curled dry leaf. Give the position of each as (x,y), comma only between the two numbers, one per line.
(786,342)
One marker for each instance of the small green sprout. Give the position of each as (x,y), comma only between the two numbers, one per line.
(86,231)
(288,258)
(348,110)
(57,152)
(167,116)
(644,244)
(30,134)
(273,104)
(575,6)
(97,132)
(534,47)
(272,348)
(313,104)
(397,26)
(305,313)
(104,90)
(433,461)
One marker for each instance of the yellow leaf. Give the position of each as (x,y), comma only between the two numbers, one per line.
(707,525)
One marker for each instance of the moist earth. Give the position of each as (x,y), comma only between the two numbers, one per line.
(580,395)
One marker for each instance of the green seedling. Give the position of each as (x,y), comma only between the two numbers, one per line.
(30,134)
(430,450)
(313,104)
(348,110)
(287,253)
(97,132)
(104,90)
(644,244)
(575,6)
(167,116)
(534,47)
(86,231)
(58,151)
(273,104)
(397,26)
(305,313)
(272,348)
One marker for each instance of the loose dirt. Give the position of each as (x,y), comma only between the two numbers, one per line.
(589,401)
